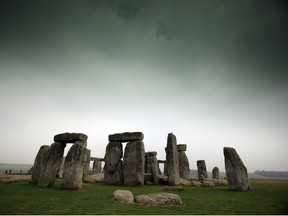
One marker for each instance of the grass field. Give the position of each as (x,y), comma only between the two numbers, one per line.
(267,197)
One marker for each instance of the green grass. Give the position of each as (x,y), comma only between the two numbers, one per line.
(267,197)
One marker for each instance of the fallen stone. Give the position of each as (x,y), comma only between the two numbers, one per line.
(162,199)
(123,196)
(196,183)
(219,182)
(208,184)
(236,172)
(184,182)
(126,137)
(70,138)
(95,178)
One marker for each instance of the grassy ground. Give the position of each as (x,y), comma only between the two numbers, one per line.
(267,197)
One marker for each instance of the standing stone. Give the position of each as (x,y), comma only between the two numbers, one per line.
(113,169)
(172,160)
(60,172)
(74,165)
(202,171)
(87,164)
(184,169)
(152,166)
(51,164)
(236,172)
(97,167)
(39,167)
(215,173)
(134,163)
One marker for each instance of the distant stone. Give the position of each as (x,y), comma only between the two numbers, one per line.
(184,169)
(161,199)
(87,164)
(152,153)
(173,188)
(126,137)
(71,138)
(172,160)
(151,166)
(236,172)
(74,166)
(215,173)
(207,183)
(123,196)
(95,178)
(202,171)
(219,182)
(134,163)
(113,167)
(184,182)
(196,183)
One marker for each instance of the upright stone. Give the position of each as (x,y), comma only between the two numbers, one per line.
(184,169)
(113,168)
(134,163)
(172,160)
(61,169)
(39,167)
(202,171)
(215,173)
(97,167)
(51,164)
(152,166)
(87,164)
(236,172)
(74,165)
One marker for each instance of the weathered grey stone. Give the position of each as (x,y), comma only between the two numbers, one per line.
(162,199)
(184,169)
(126,137)
(152,153)
(113,168)
(196,183)
(71,138)
(51,164)
(61,170)
(184,182)
(87,164)
(219,182)
(173,188)
(207,183)
(39,167)
(97,167)
(172,160)
(95,178)
(202,172)
(236,172)
(215,173)
(134,163)
(74,166)
(181,147)
(151,166)
(123,196)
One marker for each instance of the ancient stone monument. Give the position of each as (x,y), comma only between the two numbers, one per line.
(131,170)
(134,163)
(215,173)
(184,170)
(97,165)
(172,162)
(49,158)
(202,171)
(152,166)
(236,172)
(113,169)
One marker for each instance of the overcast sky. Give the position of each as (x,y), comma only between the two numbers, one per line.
(213,72)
